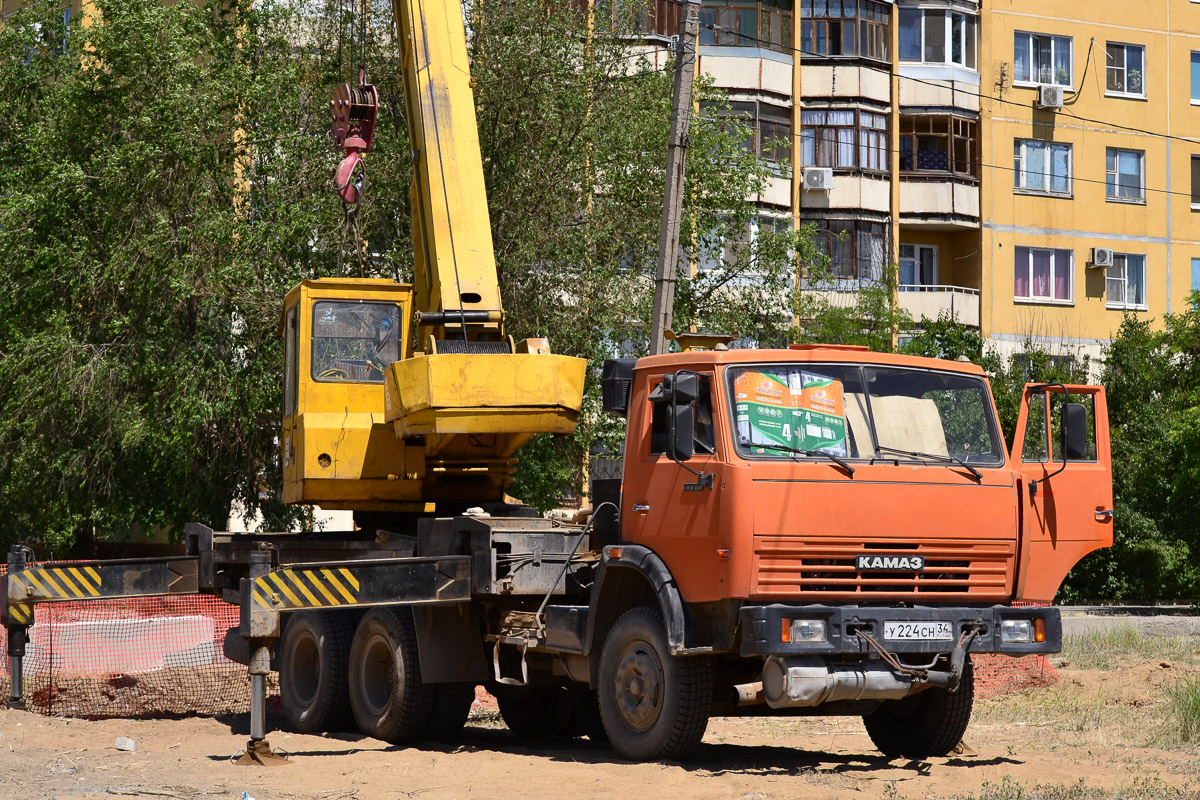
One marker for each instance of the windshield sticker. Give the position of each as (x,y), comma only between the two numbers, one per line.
(820,414)
(792,410)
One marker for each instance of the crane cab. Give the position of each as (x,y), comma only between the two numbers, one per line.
(337,449)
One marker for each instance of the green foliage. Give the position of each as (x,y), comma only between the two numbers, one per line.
(1153,385)
(1184,716)
(165,180)
(945,338)
(830,313)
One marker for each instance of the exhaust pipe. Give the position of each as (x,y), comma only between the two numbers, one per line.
(748,694)
(806,681)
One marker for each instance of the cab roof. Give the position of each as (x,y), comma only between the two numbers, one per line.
(800,354)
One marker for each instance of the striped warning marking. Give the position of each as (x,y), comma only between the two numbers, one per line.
(21,613)
(306,588)
(58,583)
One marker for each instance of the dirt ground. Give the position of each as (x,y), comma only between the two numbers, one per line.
(1106,723)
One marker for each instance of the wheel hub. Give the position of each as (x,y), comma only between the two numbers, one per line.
(639,686)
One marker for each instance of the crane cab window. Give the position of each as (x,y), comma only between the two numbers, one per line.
(291,362)
(354,342)
(705,436)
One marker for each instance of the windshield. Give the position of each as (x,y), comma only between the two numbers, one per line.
(863,412)
(353,341)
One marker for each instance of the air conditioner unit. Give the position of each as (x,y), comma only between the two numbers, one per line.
(818,179)
(1102,257)
(1050,96)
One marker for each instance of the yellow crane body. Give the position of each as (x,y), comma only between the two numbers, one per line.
(396,396)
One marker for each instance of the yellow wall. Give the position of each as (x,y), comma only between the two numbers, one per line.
(1164,227)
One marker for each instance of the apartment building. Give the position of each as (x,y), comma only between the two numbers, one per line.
(1033,168)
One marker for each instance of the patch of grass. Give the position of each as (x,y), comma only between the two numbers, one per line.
(1142,789)
(1104,649)
(1183,715)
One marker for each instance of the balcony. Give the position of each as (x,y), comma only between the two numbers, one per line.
(931,301)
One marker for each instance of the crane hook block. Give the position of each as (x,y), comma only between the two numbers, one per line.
(354,110)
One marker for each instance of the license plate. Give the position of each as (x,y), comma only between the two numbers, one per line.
(918,631)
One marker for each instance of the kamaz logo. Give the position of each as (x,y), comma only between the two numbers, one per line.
(898,563)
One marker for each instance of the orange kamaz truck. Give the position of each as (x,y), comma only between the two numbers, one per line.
(817,530)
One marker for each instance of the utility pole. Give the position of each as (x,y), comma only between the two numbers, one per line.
(668,238)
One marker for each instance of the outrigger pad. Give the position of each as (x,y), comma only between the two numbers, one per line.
(260,753)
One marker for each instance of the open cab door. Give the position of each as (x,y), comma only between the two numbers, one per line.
(1061,450)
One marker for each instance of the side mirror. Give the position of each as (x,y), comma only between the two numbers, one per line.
(1074,432)
(681,432)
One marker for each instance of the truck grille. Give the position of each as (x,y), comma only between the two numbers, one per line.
(814,569)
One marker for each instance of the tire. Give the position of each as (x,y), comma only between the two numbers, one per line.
(533,712)
(386,693)
(584,719)
(451,706)
(654,705)
(314,655)
(926,725)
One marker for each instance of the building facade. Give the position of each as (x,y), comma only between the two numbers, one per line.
(1032,168)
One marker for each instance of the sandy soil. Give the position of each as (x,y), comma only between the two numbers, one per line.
(1102,726)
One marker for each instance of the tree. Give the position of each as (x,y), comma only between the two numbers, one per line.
(1152,380)
(866,315)
(165,180)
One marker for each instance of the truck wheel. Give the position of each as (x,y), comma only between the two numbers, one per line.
(314,654)
(925,725)
(533,712)
(451,706)
(386,692)
(654,705)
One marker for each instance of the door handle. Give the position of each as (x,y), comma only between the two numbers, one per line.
(641,507)
(1104,514)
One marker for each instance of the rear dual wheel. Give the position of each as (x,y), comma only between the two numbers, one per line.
(314,654)
(389,700)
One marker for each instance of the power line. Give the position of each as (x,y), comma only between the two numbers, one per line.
(857,144)
(942,85)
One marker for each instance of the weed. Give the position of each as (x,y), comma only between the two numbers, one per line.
(1183,715)
(1104,649)
(1143,789)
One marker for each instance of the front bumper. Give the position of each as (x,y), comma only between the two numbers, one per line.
(761,628)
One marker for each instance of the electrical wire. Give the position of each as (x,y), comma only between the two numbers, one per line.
(942,85)
(1003,167)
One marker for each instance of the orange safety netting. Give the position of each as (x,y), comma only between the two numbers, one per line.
(162,656)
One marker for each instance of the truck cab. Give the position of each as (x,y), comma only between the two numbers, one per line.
(840,529)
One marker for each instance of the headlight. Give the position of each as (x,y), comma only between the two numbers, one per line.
(803,630)
(1016,631)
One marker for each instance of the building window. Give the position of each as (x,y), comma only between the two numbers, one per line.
(643,18)
(938,144)
(1126,69)
(1039,58)
(1196,77)
(1125,281)
(1042,274)
(844,28)
(739,253)
(744,23)
(1195,183)
(843,139)
(1041,167)
(857,249)
(1125,175)
(1196,274)
(918,266)
(937,36)
(770,125)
